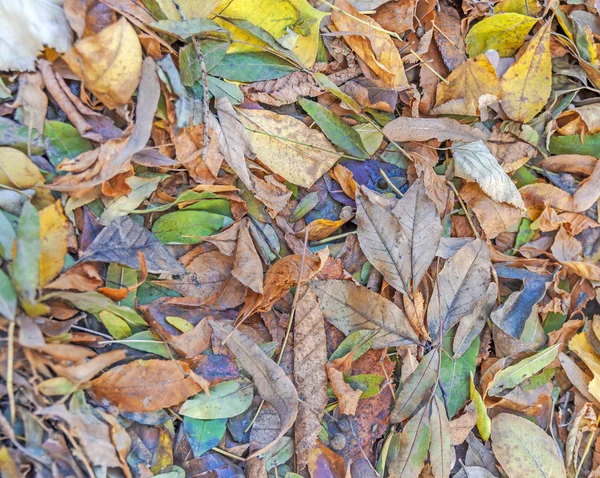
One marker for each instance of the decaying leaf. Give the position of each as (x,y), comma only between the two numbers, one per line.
(423,129)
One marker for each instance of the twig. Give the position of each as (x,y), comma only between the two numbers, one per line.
(468,216)
(390,184)
(429,67)
(332,238)
(10,365)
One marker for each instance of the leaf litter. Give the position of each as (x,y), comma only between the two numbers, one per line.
(286,238)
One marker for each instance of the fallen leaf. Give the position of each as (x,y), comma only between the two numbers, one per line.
(474,162)
(54,232)
(582,347)
(448,37)
(146,385)
(110,63)
(288,147)
(350,307)
(504,33)
(370,43)
(527,83)
(424,129)
(440,451)
(347,397)
(270,380)
(414,444)
(522,447)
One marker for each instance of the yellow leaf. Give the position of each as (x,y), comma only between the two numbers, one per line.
(527,84)
(279,18)
(484,424)
(504,33)
(54,231)
(370,43)
(582,347)
(196,9)
(110,63)
(288,147)
(17,170)
(243,40)
(524,7)
(468,82)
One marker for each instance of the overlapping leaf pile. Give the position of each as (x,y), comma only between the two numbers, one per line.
(290,238)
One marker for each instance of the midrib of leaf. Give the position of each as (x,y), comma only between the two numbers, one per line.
(518,438)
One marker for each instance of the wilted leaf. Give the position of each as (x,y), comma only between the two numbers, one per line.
(146,385)
(424,129)
(110,63)
(288,147)
(249,67)
(350,307)
(372,46)
(461,283)
(523,448)
(270,380)
(483,420)
(582,347)
(474,162)
(54,232)
(120,243)
(527,83)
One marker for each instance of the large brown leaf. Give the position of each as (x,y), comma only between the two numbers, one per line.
(460,285)
(310,357)
(272,383)
(424,129)
(351,307)
(146,385)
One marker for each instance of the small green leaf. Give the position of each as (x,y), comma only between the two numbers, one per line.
(94,303)
(186,29)
(358,342)
(7,236)
(180,324)
(203,435)
(115,325)
(119,276)
(19,137)
(338,132)
(188,227)
(370,136)
(484,424)
(227,399)
(8,297)
(369,383)
(189,65)
(146,341)
(279,454)
(250,67)
(219,88)
(414,444)
(213,52)
(572,145)
(512,376)
(64,141)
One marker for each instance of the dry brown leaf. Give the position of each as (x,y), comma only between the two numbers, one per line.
(283,91)
(396,15)
(86,371)
(494,217)
(423,129)
(270,380)
(347,397)
(33,100)
(370,44)
(310,357)
(449,38)
(146,385)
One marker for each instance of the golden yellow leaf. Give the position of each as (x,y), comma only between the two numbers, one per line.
(54,231)
(582,347)
(288,147)
(110,63)
(370,43)
(527,84)
(243,40)
(504,33)
(524,7)
(468,82)
(17,170)
(294,23)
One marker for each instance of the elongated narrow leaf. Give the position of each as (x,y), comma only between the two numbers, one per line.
(440,451)
(383,241)
(423,228)
(512,376)
(460,285)
(270,380)
(524,449)
(351,307)
(414,443)
(471,326)
(227,399)
(250,66)
(418,387)
(338,132)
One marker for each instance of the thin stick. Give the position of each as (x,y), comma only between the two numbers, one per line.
(10,365)
(390,184)
(332,238)
(423,62)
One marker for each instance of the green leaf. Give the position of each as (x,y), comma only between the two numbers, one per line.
(119,276)
(146,341)
(440,450)
(18,136)
(227,399)
(8,297)
(418,387)
(186,29)
(7,237)
(358,342)
(94,303)
(213,52)
(332,88)
(115,325)
(187,196)
(280,453)
(369,383)
(189,65)
(512,376)
(203,435)
(338,132)
(64,141)
(370,136)
(25,268)
(219,88)
(250,67)
(454,374)
(188,227)
(572,145)
(540,379)
(414,444)
(483,420)
(215,206)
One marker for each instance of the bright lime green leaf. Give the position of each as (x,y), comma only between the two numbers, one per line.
(227,399)
(188,227)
